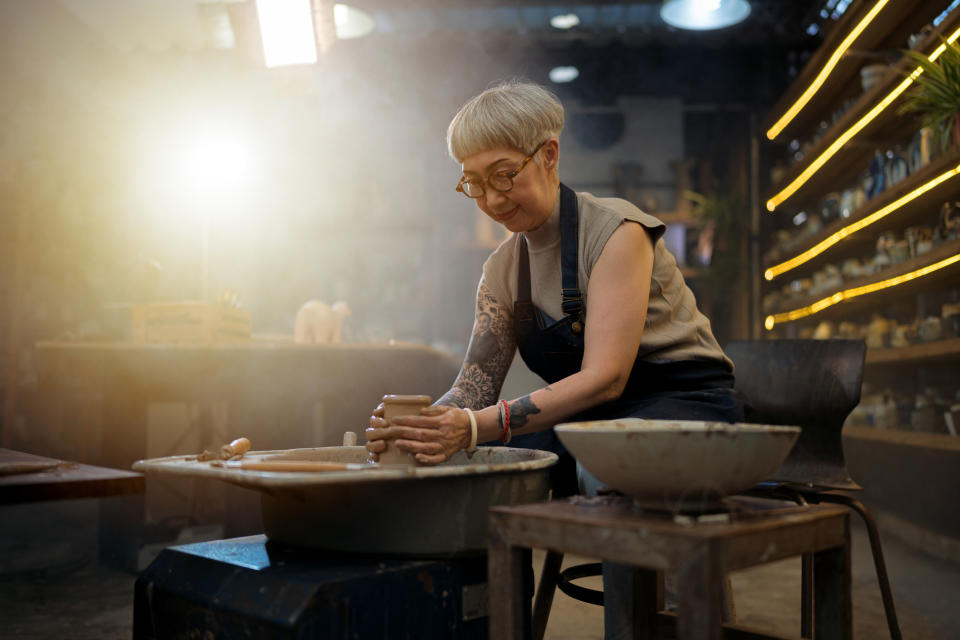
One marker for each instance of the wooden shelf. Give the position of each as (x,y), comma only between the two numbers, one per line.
(849,161)
(912,212)
(669,217)
(896,18)
(690,273)
(923,352)
(939,441)
(945,276)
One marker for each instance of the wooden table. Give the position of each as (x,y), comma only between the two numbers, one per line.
(700,553)
(267,391)
(59,480)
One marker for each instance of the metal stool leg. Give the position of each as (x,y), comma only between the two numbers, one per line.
(878,562)
(545,590)
(806,596)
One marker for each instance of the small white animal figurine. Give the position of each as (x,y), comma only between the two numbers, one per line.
(319,323)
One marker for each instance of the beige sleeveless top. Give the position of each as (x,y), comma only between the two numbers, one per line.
(674,328)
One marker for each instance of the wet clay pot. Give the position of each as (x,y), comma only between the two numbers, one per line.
(393,407)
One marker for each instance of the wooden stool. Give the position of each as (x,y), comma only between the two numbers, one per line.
(699,551)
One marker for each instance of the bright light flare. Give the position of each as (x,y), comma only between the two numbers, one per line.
(565,21)
(206,170)
(216,163)
(560,75)
(703,15)
(350,22)
(286,29)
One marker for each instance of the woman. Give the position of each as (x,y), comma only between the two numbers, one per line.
(629,340)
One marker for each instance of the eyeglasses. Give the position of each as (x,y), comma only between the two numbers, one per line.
(501,181)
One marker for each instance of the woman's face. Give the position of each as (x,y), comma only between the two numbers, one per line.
(530,202)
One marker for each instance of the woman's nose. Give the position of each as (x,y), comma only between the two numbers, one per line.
(494,197)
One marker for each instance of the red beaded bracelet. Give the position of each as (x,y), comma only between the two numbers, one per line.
(506,435)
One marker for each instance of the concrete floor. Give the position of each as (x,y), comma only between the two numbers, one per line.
(62,594)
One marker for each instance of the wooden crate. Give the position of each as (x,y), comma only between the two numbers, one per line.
(189,323)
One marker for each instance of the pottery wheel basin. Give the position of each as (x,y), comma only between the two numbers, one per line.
(677,464)
(397,510)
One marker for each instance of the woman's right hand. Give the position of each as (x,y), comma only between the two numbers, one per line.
(376,446)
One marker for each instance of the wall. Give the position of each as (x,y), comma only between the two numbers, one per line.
(351,197)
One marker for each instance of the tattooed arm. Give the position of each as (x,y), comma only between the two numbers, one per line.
(618,292)
(435,437)
(488,358)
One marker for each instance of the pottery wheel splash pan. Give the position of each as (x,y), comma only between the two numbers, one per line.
(400,510)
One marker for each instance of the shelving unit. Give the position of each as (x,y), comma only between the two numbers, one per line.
(833,163)
(939,350)
(942,277)
(904,215)
(854,153)
(892,24)
(902,467)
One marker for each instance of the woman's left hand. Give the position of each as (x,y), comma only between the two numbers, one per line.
(433,436)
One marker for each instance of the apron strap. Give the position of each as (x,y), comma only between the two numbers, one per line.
(523,272)
(572,300)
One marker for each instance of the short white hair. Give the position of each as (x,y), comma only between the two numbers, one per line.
(513,114)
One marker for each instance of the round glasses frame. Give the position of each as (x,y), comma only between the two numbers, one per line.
(501,181)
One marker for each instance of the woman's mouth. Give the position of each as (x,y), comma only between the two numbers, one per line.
(506,216)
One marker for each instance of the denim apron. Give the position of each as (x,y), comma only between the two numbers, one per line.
(553,349)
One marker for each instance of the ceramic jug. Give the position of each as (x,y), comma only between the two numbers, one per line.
(949,225)
(875,181)
(895,168)
(918,155)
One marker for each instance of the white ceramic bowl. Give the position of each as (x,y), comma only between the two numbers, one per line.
(677,464)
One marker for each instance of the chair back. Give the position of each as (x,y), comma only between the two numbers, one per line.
(812,384)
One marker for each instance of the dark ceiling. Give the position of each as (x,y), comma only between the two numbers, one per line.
(771,22)
(620,48)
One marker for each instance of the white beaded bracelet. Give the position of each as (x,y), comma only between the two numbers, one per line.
(473,431)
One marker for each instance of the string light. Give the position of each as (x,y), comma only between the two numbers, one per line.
(850,229)
(828,67)
(845,137)
(788,316)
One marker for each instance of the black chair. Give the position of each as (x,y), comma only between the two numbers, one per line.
(813,384)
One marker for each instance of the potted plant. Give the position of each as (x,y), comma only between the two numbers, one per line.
(935,96)
(722,217)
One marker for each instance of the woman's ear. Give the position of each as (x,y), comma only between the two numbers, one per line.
(551,153)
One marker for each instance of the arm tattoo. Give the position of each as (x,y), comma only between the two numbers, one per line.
(520,410)
(488,358)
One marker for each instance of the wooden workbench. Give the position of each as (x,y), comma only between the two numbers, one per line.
(52,479)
